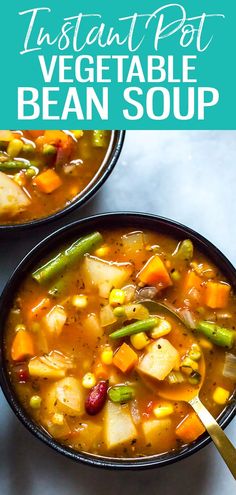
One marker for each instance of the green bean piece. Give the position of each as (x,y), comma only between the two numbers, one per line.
(220,336)
(99,139)
(138,326)
(15,165)
(65,258)
(184,251)
(121,393)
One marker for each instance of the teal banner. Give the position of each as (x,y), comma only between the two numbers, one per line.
(118,65)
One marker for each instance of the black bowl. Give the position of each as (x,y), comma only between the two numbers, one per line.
(64,235)
(105,169)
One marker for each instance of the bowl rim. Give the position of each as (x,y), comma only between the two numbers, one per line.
(149,221)
(112,154)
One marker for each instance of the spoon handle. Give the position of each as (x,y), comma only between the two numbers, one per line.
(221,441)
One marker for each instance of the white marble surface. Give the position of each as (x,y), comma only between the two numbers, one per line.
(187,176)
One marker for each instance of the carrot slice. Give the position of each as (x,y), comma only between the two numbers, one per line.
(155,272)
(35,133)
(22,346)
(48,181)
(101,372)
(125,358)
(190,428)
(192,280)
(57,138)
(217,295)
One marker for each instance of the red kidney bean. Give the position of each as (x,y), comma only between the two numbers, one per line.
(96,398)
(21,371)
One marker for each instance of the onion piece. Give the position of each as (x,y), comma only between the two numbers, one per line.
(107,316)
(135,413)
(147,293)
(129,291)
(188,318)
(56,359)
(229,370)
(175,377)
(194,295)
(136,312)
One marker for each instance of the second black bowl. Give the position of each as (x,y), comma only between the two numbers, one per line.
(105,169)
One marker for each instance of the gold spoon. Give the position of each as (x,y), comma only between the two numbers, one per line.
(191,395)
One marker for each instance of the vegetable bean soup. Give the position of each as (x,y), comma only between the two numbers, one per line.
(42,172)
(101,367)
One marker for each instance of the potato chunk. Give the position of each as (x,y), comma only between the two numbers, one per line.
(65,396)
(70,396)
(160,359)
(157,433)
(106,274)
(53,365)
(118,425)
(13,199)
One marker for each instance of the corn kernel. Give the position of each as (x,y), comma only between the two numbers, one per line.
(107,356)
(206,344)
(221,395)
(58,419)
(35,401)
(79,301)
(88,380)
(14,147)
(117,296)
(163,328)
(139,340)
(102,251)
(78,134)
(163,411)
